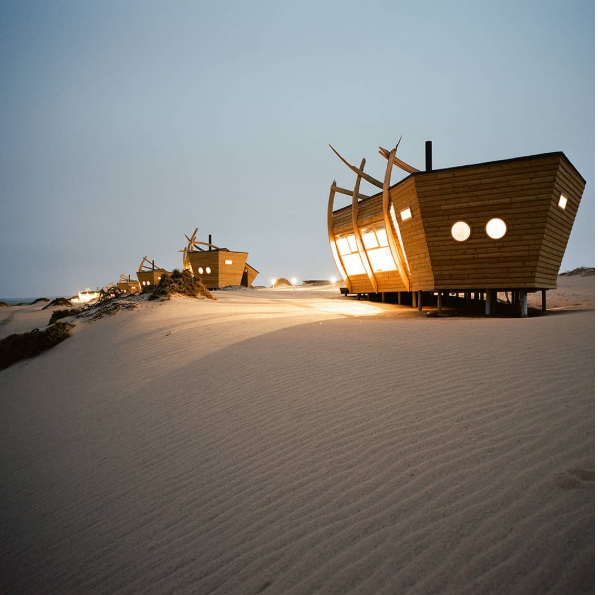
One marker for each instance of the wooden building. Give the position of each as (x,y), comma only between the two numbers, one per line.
(217,267)
(128,285)
(149,274)
(474,229)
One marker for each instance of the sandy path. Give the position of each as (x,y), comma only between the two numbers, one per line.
(265,444)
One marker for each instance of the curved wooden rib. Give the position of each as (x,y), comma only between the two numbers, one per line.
(362,251)
(142,263)
(337,259)
(394,250)
(395,161)
(362,174)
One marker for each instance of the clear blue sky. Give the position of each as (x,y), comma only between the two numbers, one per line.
(126,124)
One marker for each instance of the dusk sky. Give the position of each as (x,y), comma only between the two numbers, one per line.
(127,124)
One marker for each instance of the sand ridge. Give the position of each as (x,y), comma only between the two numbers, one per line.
(278,442)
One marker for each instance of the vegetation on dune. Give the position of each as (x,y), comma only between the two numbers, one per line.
(40,300)
(59,301)
(580,272)
(58,314)
(24,345)
(4,305)
(179,283)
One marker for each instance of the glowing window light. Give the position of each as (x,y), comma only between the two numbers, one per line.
(208,270)
(382,237)
(406,214)
(272,281)
(228,262)
(200,270)
(342,245)
(369,238)
(352,242)
(460,231)
(496,228)
(563,202)
(381,260)
(353,264)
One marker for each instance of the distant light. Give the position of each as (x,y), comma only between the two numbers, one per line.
(272,281)
(496,228)
(406,214)
(563,202)
(333,280)
(294,280)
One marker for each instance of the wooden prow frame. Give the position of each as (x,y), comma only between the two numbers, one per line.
(388,223)
(335,255)
(150,266)
(395,161)
(355,212)
(360,173)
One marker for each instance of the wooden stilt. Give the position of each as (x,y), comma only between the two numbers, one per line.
(488,300)
(419,301)
(413,300)
(467,299)
(439,301)
(543,300)
(523,303)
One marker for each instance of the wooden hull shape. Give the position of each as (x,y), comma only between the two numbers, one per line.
(221,268)
(414,220)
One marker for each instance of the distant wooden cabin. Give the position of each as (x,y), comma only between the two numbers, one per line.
(128,285)
(149,274)
(217,267)
(486,227)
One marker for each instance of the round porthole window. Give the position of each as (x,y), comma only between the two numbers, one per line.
(200,270)
(460,231)
(208,270)
(496,228)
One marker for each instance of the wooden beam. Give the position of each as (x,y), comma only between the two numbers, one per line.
(396,161)
(362,174)
(394,249)
(335,255)
(350,193)
(362,251)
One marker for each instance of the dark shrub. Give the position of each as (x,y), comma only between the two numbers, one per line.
(179,282)
(21,346)
(59,301)
(58,314)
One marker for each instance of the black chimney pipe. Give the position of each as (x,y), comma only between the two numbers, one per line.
(210,241)
(428,155)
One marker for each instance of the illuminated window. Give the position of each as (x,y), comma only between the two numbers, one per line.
(228,262)
(352,242)
(200,270)
(353,264)
(406,214)
(563,202)
(496,228)
(343,245)
(381,260)
(381,233)
(369,238)
(460,231)
(208,270)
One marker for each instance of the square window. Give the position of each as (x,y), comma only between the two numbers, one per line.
(563,202)
(369,238)
(406,214)
(227,262)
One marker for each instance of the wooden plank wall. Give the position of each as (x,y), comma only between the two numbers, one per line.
(209,258)
(403,195)
(231,274)
(560,222)
(251,274)
(518,191)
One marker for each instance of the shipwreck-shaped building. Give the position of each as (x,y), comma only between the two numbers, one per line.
(502,225)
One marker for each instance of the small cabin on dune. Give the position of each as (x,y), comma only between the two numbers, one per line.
(475,229)
(217,267)
(128,285)
(149,274)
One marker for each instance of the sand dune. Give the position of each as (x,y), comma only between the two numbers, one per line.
(286,442)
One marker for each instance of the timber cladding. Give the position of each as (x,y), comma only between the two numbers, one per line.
(523,193)
(219,268)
